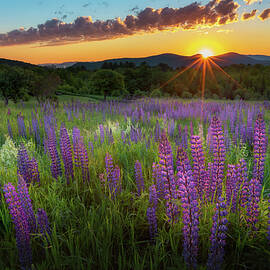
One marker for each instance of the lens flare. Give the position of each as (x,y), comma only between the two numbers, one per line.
(206,53)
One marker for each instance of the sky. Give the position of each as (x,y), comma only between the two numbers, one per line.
(54,31)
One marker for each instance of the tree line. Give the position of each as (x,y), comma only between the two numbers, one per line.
(126,80)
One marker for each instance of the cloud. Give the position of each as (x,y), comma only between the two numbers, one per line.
(86,5)
(265,14)
(250,2)
(249,15)
(55,31)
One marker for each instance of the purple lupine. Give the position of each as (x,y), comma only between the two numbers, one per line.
(139,178)
(43,223)
(10,133)
(22,229)
(170,190)
(55,159)
(75,137)
(113,176)
(66,152)
(26,204)
(219,156)
(243,182)
(101,130)
(255,188)
(84,160)
(182,161)
(115,186)
(21,125)
(198,163)
(259,150)
(110,137)
(27,168)
(218,236)
(189,200)
(232,187)
(23,164)
(158,180)
(268,228)
(151,212)
(191,129)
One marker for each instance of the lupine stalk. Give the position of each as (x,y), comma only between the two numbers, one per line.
(26,203)
(20,221)
(219,156)
(43,223)
(268,228)
(55,160)
(198,163)
(259,148)
(255,188)
(218,236)
(166,163)
(151,212)
(243,182)
(189,201)
(157,176)
(231,187)
(66,152)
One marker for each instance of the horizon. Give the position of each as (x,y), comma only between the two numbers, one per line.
(98,30)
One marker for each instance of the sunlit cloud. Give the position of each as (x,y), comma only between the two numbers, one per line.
(250,2)
(56,32)
(265,14)
(249,15)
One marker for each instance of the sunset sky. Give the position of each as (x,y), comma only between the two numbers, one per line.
(53,31)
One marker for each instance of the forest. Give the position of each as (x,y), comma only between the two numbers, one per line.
(125,80)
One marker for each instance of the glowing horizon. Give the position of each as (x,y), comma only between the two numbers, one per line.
(37,35)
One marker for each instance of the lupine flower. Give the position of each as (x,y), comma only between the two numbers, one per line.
(20,221)
(151,212)
(198,163)
(55,160)
(255,188)
(218,236)
(66,152)
(43,223)
(170,190)
(219,156)
(157,176)
(113,176)
(189,201)
(101,130)
(27,168)
(259,148)
(21,125)
(26,204)
(268,229)
(10,133)
(231,187)
(243,182)
(139,177)
(80,154)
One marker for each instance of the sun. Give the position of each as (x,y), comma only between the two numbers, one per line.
(206,53)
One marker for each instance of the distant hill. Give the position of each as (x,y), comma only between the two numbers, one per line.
(16,63)
(57,65)
(260,57)
(177,61)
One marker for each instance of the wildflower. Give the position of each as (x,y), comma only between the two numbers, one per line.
(139,177)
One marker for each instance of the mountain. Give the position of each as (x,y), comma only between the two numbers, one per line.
(175,61)
(57,65)
(260,57)
(16,63)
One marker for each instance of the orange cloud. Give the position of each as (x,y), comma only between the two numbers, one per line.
(265,14)
(249,15)
(57,32)
(249,2)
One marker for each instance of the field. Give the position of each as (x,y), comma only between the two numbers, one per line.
(148,184)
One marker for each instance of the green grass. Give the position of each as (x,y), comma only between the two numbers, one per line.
(92,231)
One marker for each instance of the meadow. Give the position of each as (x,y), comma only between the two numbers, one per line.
(145,184)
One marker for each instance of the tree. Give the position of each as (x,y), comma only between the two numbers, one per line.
(108,82)
(13,84)
(45,86)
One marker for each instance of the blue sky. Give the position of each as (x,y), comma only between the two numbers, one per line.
(26,13)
